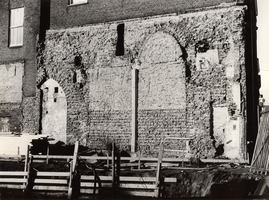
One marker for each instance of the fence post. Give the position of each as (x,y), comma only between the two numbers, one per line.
(47,159)
(31,175)
(72,170)
(113,168)
(158,173)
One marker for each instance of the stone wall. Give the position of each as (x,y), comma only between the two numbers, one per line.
(191,71)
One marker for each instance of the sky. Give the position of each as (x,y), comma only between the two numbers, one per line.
(263,46)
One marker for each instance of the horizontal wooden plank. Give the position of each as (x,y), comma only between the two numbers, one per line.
(88,191)
(91,184)
(122,178)
(136,186)
(122,185)
(138,179)
(12,186)
(170,180)
(65,174)
(163,164)
(13,173)
(109,158)
(13,180)
(51,188)
(91,178)
(52,157)
(51,181)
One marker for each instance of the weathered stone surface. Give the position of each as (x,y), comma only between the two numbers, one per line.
(175,96)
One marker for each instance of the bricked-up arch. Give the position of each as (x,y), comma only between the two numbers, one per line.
(161,74)
(161,91)
(54,110)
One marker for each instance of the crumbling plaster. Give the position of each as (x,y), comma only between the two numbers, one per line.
(99,105)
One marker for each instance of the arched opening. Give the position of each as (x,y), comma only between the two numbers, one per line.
(161,99)
(54,111)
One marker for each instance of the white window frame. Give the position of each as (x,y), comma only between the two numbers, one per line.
(77,2)
(16,27)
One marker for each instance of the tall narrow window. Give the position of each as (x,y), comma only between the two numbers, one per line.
(74,2)
(16,27)
(120,42)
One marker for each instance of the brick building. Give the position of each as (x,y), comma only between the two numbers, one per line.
(138,71)
(19,28)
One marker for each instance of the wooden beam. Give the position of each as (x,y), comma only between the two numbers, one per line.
(158,173)
(72,169)
(134,109)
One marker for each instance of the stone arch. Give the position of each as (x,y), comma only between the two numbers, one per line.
(160,48)
(54,110)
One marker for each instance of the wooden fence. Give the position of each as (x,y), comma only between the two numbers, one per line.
(69,183)
(260,159)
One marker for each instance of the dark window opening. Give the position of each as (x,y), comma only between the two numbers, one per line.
(55,99)
(56,90)
(44,19)
(120,42)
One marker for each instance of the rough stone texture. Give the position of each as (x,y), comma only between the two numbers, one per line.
(30,115)
(175,96)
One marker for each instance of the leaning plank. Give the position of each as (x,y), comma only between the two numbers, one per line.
(72,169)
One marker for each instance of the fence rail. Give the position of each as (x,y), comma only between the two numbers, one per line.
(64,183)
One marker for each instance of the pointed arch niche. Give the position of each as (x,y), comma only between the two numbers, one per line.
(54,111)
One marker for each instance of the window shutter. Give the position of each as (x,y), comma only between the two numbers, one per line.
(16,27)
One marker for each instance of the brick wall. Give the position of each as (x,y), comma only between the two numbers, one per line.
(23,114)
(27,52)
(178,95)
(63,16)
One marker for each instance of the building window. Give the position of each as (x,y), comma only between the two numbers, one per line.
(16,27)
(75,2)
